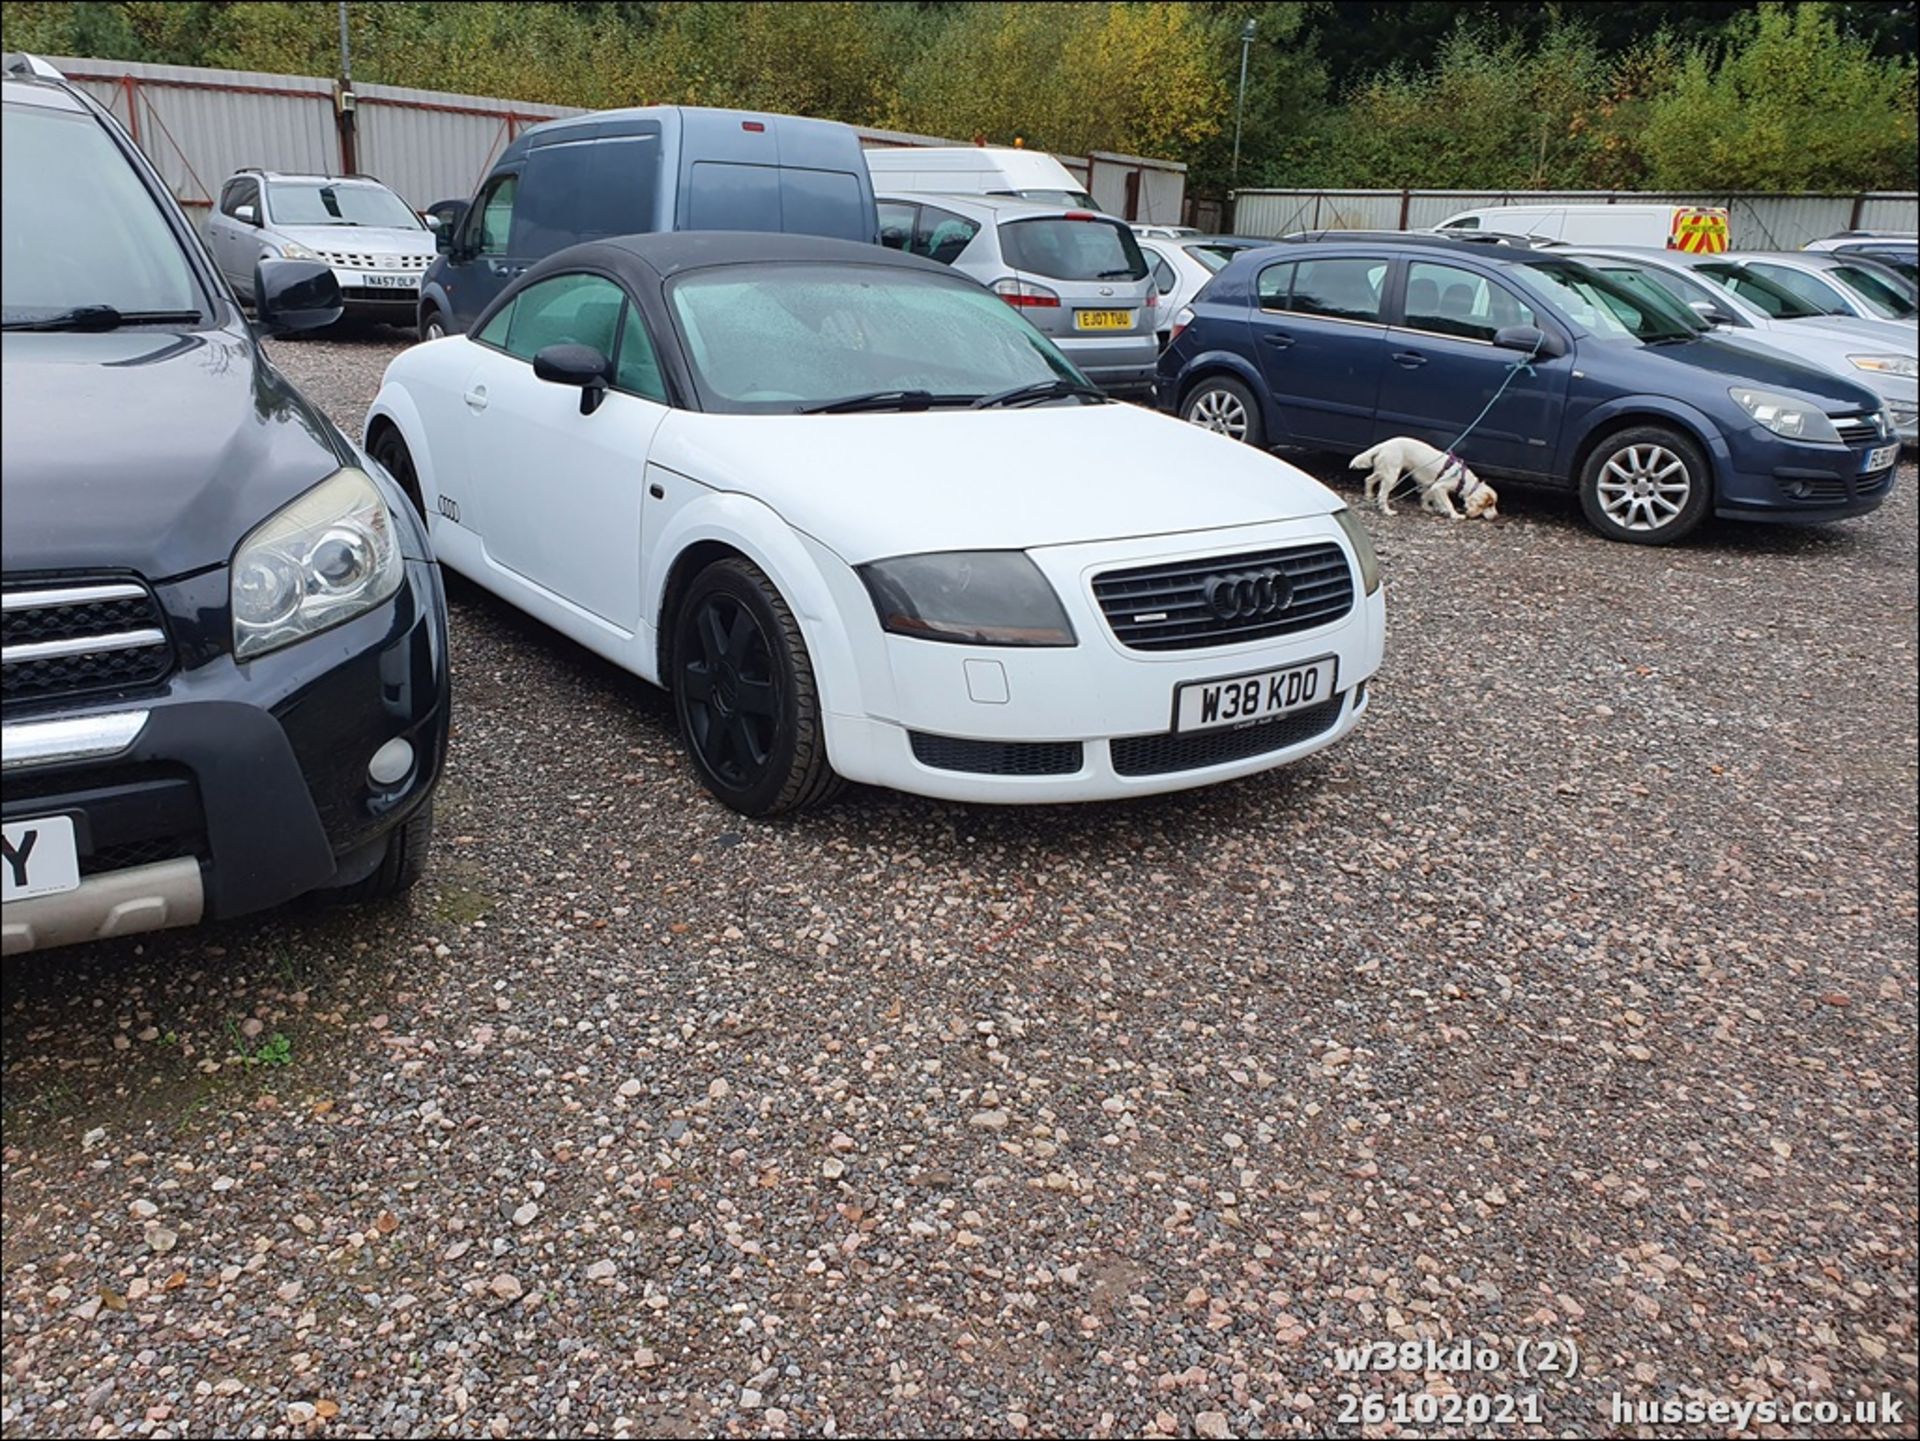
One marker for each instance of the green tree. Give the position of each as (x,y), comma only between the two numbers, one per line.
(1791,103)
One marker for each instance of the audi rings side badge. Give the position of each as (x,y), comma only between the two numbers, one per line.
(1249,595)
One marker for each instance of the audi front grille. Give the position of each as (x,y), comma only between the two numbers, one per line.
(1226,599)
(80,638)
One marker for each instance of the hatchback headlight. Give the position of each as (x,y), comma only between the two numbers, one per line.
(330,555)
(970,597)
(1902,365)
(1363,551)
(294,250)
(1785,415)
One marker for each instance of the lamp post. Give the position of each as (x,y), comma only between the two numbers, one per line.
(1240,108)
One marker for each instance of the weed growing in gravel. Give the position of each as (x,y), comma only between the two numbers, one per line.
(275,1050)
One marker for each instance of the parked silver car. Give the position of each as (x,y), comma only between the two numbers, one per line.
(1843,344)
(377,246)
(1077,276)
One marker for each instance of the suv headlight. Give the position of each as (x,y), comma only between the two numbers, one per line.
(969,597)
(1902,365)
(294,250)
(1363,551)
(330,555)
(1784,415)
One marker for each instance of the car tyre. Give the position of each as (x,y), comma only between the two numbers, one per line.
(1646,485)
(1226,407)
(404,863)
(433,325)
(745,695)
(391,451)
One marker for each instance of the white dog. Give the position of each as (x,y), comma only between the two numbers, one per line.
(1440,475)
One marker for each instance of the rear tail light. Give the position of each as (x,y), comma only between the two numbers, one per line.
(1153,300)
(1024,294)
(1079,215)
(1182,318)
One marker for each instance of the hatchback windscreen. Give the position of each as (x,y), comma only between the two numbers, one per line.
(1214,257)
(295,202)
(775,339)
(79,234)
(1062,248)
(1601,307)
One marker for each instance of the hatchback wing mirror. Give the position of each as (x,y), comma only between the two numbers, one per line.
(1529,338)
(580,365)
(291,295)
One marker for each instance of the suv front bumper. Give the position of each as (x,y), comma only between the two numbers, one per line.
(236,787)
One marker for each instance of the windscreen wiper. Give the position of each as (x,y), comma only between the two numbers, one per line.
(1056,389)
(884,400)
(103,317)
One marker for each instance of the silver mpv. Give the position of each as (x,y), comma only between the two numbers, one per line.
(1078,277)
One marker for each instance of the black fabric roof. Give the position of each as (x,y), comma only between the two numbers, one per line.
(646,260)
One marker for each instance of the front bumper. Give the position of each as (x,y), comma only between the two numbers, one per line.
(367,294)
(233,788)
(1763,477)
(1093,721)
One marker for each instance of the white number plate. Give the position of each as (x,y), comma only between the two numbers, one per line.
(41,859)
(1880,459)
(391,282)
(1210,704)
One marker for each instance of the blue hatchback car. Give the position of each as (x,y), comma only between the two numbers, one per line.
(1335,346)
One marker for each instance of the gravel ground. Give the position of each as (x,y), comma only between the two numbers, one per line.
(1572,999)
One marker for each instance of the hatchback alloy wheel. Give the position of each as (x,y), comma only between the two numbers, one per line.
(1644,487)
(1226,408)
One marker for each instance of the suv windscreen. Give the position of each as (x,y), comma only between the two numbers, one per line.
(1601,307)
(1061,248)
(308,202)
(81,230)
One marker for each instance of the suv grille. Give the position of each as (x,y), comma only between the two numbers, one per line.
(65,640)
(363,260)
(1169,607)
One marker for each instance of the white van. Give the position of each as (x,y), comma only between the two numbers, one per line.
(1696,229)
(976,170)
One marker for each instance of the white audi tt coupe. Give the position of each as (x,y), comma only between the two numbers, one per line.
(864,522)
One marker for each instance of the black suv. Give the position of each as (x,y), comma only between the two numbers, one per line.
(225,655)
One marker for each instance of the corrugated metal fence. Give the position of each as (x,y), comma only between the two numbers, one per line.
(1756,222)
(199,126)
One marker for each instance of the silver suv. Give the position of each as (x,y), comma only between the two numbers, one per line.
(1078,277)
(377,247)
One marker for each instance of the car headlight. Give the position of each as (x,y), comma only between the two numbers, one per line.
(1902,365)
(1363,551)
(330,555)
(294,250)
(1784,415)
(970,597)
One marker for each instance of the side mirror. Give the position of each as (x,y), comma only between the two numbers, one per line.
(1530,339)
(579,365)
(291,295)
(246,214)
(1709,312)
(443,217)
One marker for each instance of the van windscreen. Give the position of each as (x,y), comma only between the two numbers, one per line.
(1065,249)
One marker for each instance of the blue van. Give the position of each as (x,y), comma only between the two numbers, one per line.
(1656,423)
(627,172)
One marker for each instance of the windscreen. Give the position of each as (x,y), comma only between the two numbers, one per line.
(1601,307)
(1061,248)
(1776,300)
(77,228)
(773,339)
(305,202)
(1882,295)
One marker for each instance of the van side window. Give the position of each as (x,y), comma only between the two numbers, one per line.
(896,224)
(583,190)
(1446,300)
(941,235)
(638,368)
(492,216)
(565,310)
(1275,282)
(724,196)
(822,202)
(1338,289)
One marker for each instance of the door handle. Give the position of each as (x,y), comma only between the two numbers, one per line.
(1410,359)
(1278,339)
(476,397)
